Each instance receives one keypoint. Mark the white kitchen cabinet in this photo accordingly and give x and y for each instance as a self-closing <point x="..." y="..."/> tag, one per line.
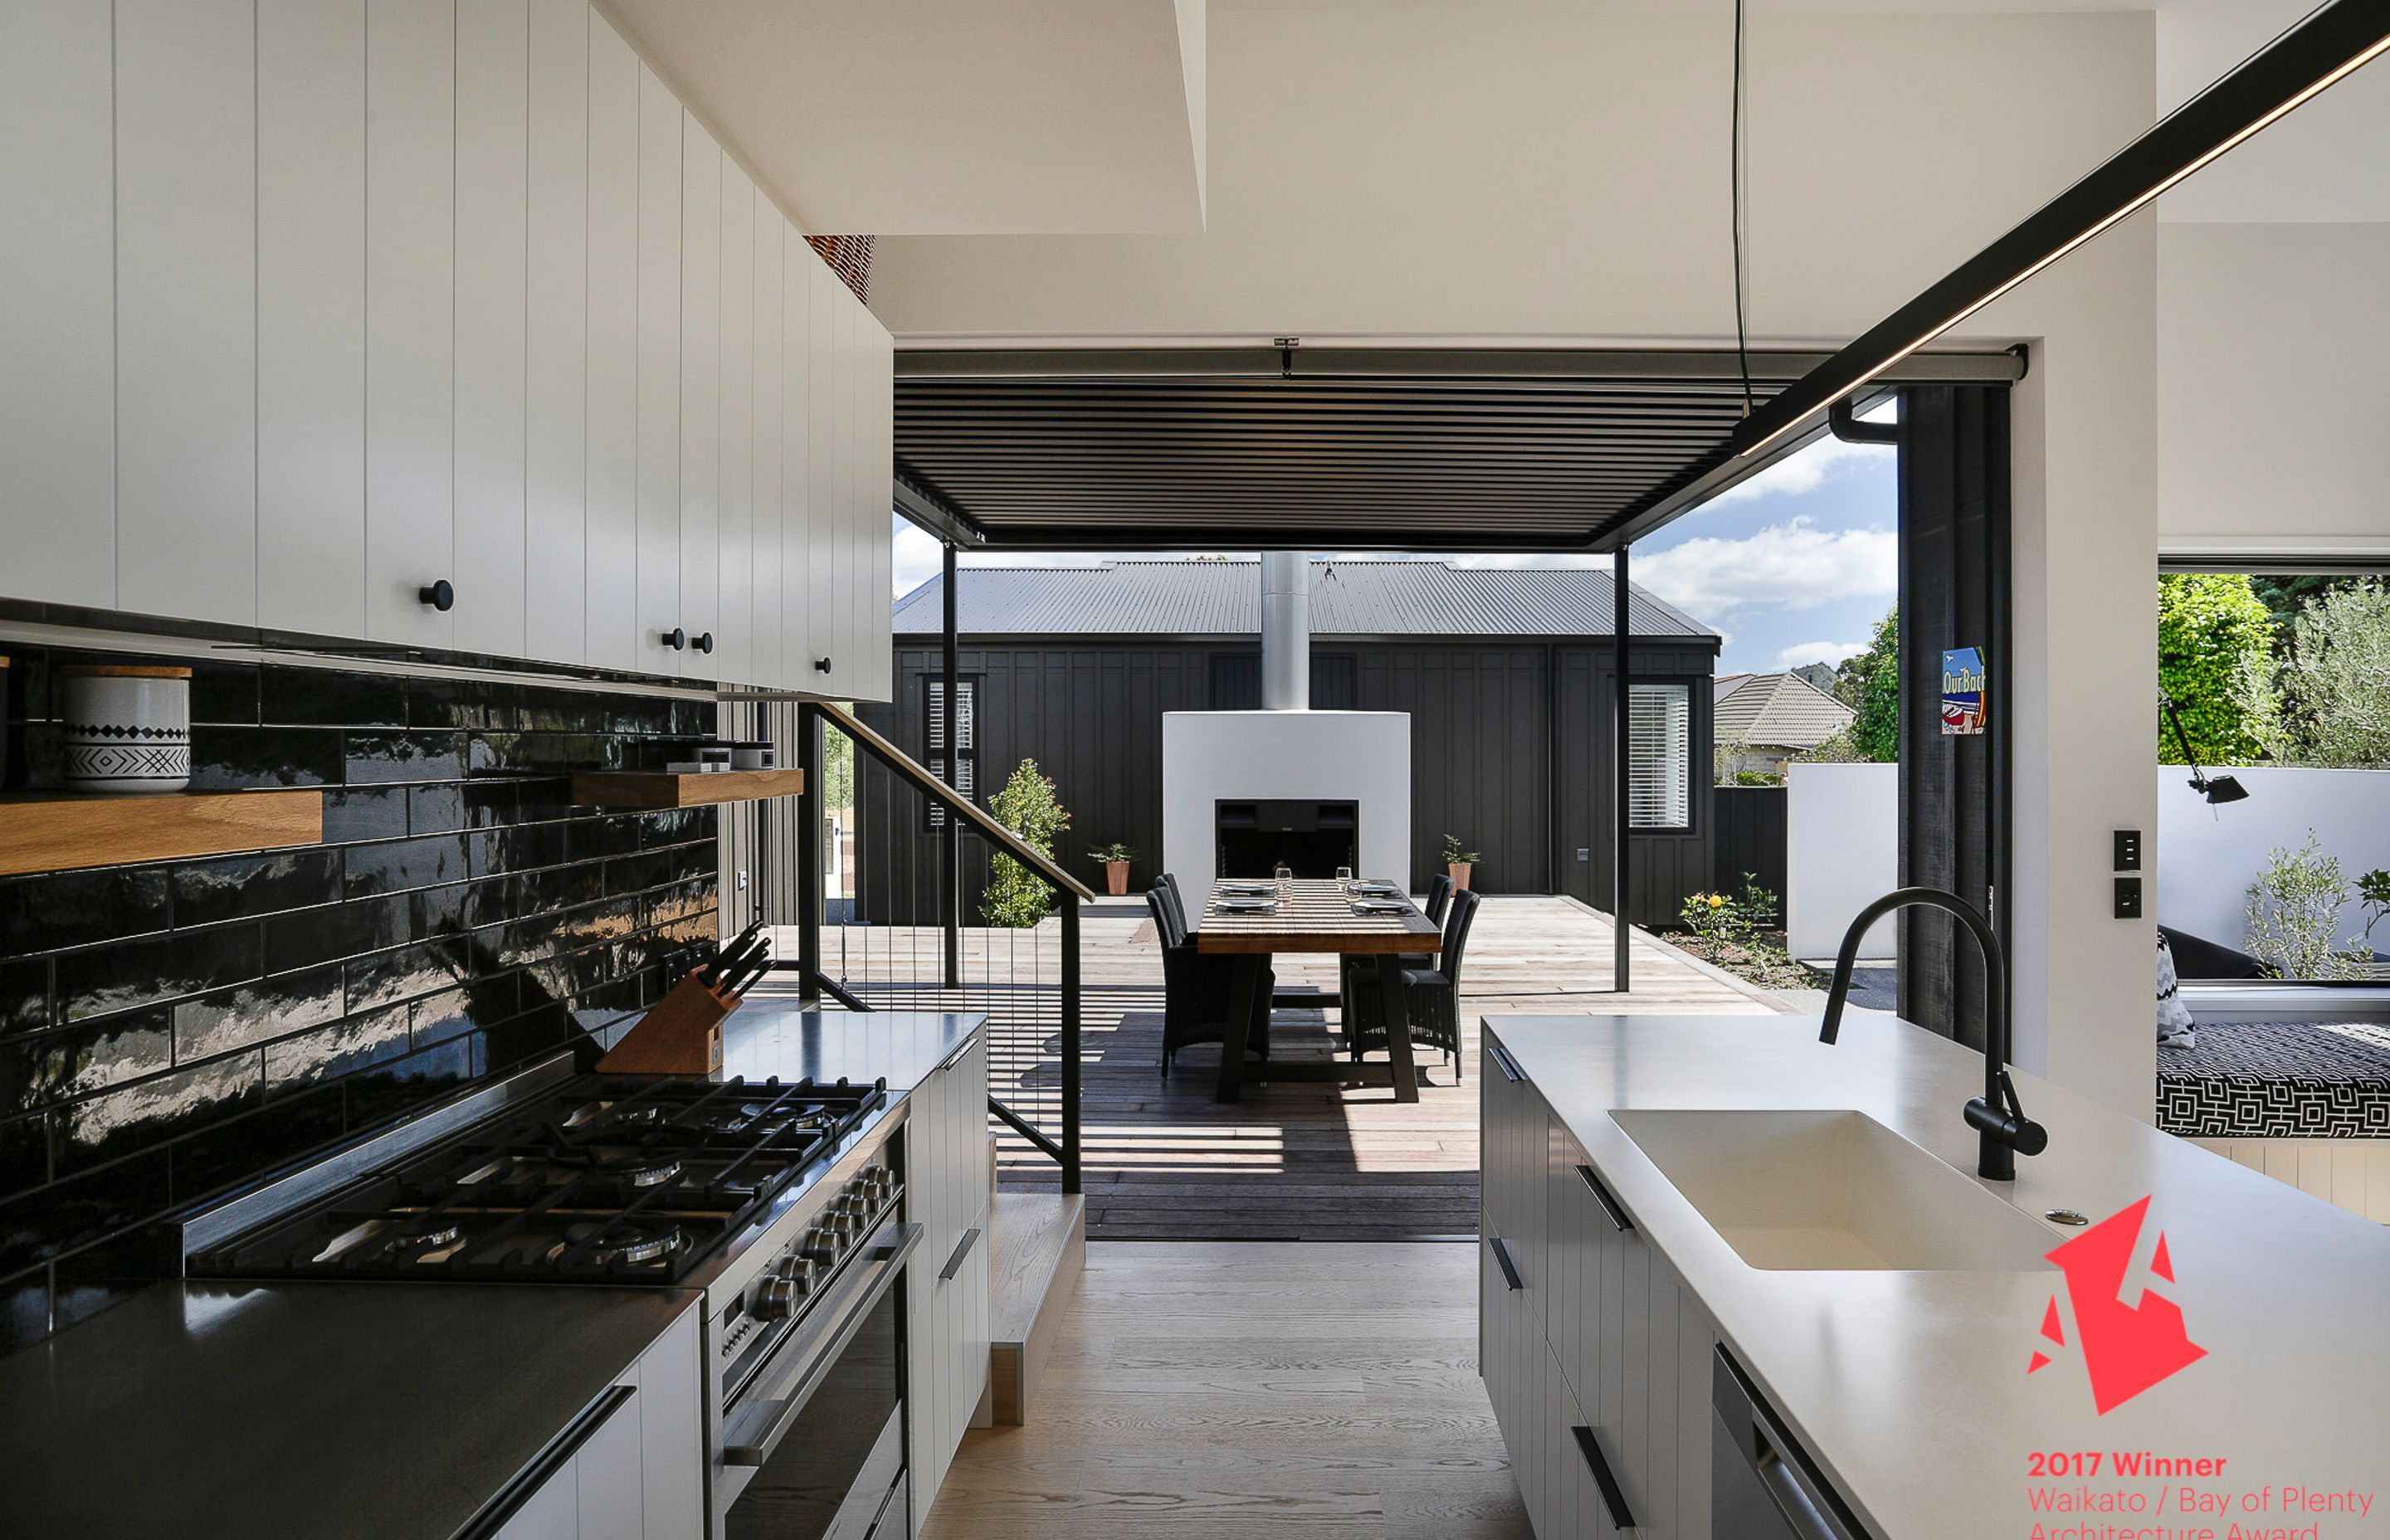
<point x="342" y="300"/>
<point x="638" y="1470"/>
<point x="311" y="332"/>
<point x="410" y="321"/>
<point x="185" y="309"/>
<point x="57" y="242"/>
<point x="1602" y="1336"/>
<point x="672" y="1452"/>
<point x="492" y="262"/>
<point x="734" y="608"/>
<point x="611" y="462"/>
<point x="557" y="260"/>
<point x="661" y="163"/>
<point x="699" y="564"/>
<point x="947" y="1179"/>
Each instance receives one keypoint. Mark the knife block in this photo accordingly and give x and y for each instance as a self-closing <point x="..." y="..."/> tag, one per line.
<point x="681" y="1035"/>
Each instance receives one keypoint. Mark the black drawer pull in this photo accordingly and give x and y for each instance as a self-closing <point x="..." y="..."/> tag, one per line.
<point x="1502" y="1062"/>
<point x="1509" y="1268"/>
<point x="1613" y="1497"/>
<point x="440" y="596"/>
<point x="1618" y="1220"/>
<point x="527" y="1483"/>
<point x="954" y="1263"/>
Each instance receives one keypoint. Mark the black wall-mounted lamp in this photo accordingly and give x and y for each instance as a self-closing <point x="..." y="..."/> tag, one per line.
<point x="2216" y="789"/>
<point x="2329" y="45"/>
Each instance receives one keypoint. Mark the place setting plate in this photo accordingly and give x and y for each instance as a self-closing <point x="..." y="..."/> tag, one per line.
<point x="1379" y="906"/>
<point x="1249" y="890"/>
<point x="1373" y="889"/>
<point x="1246" y="906"/>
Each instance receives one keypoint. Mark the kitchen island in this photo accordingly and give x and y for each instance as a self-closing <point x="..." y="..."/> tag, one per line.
<point x="1893" y="1340"/>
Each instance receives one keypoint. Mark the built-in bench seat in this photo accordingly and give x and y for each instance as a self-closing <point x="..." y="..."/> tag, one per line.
<point x="2285" y="1080"/>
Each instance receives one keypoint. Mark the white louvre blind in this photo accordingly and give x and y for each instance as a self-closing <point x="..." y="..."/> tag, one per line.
<point x="966" y="778"/>
<point x="1659" y="756"/>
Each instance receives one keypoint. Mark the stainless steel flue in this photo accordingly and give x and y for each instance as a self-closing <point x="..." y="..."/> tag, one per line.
<point x="1286" y="631"/>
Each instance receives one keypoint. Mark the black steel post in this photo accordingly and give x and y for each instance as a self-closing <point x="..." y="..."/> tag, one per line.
<point x="1070" y="903"/>
<point x="950" y="852"/>
<point x="809" y="853"/>
<point x="1620" y="772"/>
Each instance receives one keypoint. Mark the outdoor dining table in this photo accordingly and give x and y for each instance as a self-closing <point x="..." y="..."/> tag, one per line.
<point x="1314" y="915"/>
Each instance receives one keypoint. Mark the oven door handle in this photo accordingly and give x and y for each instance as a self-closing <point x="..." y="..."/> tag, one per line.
<point x="789" y="1404"/>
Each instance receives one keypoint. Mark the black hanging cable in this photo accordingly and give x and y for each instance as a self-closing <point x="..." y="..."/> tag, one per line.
<point x="1734" y="209"/>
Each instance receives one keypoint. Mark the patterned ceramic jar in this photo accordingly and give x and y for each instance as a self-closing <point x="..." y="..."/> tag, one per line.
<point x="128" y="727"/>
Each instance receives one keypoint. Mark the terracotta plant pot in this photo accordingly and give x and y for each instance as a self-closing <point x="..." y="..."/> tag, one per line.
<point x="1116" y="879"/>
<point x="1458" y="871"/>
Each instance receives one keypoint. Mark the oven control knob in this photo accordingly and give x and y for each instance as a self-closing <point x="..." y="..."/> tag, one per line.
<point x="820" y="1244"/>
<point x="842" y="1227"/>
<point x="777" y="1298"/>
<point x="801" y="1273"/>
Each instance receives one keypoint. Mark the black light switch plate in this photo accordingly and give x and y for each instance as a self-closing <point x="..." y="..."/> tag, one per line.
<point x="2128" y="898"/>
<point x="2128" y="851"/>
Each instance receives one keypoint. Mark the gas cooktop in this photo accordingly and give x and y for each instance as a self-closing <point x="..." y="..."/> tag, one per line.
<point x="601" y="1179"/>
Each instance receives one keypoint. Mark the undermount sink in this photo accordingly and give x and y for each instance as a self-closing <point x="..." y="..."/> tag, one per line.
<point x="1834" y="1191"/>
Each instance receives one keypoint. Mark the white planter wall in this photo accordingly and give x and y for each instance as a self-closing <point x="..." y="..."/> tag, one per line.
<point x="273" y="361"/>
<point x="1842" y="849"/>
<point x="2207" y="856"/>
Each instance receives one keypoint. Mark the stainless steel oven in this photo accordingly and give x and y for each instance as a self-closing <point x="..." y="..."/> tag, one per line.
<point x="813" y="1444"/>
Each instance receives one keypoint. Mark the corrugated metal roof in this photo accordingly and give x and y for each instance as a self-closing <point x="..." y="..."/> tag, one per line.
<point x="1348" y="598"/>
<point x="1782" y="711"/>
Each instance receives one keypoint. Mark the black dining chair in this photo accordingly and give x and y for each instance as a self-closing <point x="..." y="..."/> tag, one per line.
<point x="1282" y="996"/>
<point x="1439" y="899"/>
<point x="1198" y="989"/>
<point x="1430" y="995"/>
<point x="1364" y="1015"/>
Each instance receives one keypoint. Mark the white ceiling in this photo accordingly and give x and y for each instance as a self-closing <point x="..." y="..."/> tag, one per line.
<point x="2322" y="164"/>
<point x="948" y="117"/>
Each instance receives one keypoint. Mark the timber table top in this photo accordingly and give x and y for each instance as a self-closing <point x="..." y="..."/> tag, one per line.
<point x="1314" y="915"/>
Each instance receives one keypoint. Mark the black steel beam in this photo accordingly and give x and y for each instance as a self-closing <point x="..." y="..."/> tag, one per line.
<point x="1622" y="771"/>
<point x="950" y="854"/>
<point x="1492" y="367"/>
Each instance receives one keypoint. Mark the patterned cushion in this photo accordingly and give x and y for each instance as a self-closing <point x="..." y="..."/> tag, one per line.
<point x="2279" y="1079"/>
<point x="2174" y="1017"/>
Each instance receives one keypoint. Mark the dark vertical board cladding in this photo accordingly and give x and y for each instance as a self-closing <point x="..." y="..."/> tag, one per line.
<point x="175" y="1030"/>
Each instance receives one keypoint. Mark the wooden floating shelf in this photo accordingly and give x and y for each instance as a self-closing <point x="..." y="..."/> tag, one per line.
<point x="651" y="789"/>
<point x="50" y="831"/>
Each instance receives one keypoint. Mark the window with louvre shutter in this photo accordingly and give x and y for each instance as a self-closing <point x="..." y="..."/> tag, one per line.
<point x="1659" y="756"/>
<point x="965" y="777"/>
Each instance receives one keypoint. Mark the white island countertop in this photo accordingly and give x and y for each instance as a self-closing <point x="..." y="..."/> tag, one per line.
<point x="1910" y="1388"/>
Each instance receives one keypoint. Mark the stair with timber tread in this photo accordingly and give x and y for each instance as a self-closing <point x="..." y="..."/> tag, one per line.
<point x="1037" y="1247"/>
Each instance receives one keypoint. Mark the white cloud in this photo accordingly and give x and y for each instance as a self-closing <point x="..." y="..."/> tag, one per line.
<point x="1803" y="653"/>
<point x="1793" y="565"/>
<point x="1804" y="472"/>
<point x="917" y="558"/>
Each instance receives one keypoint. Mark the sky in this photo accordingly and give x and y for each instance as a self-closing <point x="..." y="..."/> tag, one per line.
<point x="1793" y="566"/>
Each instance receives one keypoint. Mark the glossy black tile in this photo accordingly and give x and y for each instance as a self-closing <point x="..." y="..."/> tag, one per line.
<point x="436" y="809"/>
<point x="526" y="848"/>
<point x="483" y="1004"/>
<point x="594" y="839"/>
<point x="562" y="887"/>
<point x="249" y="1013"/>
<point x="223" y="694"/>
<point x="312" y="1057"/>
<point x="24" y="1152"/>
<point x="228" y="1151"/>
<point x="84" y="1207"/>
<point x="24" y="1309"/>
<point x="546" y="797"/>
<point x="558" y="710"/>
<point x="102" y="981"/>
<point x="385" y="757"/>
<point x="230" y="759"/>
<point x="331" y="698"/>
<point x="396" y="866"/>
<point x="387" y="978"/>
<point x="248" y="887"/>
<point x="385" y="1091"/>
<point x="42" y="914"/>
<point x="47" y="1068"/>
<point x="493" y="802"/>
<point x="24" y="995"/>
<point x="677" y="826"/>
<point x="472" y="703"/>
<point x="372" y="813"/>
<point x="312" y="936"/>
<point x="135" y="1118"/>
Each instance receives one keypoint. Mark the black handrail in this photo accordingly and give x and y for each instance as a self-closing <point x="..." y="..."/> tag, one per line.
<point x="811" y="716"/>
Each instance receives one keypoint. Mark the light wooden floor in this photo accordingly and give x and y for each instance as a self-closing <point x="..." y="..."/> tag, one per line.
<point x="1226" y="1391"/>
<point x="1291" y="1161"/>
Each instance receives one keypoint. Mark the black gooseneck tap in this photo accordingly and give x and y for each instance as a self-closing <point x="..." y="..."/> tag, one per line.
<point x="2007" y="1132"/>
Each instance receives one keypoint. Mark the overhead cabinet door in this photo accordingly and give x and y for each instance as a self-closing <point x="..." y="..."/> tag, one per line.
<point x="761" y="581"/>
<point x="610" y="459"/>
<point x="659" y="383"/>
<point x="556" y="350"/>
<point x="700" y="404"/>
<point x="493" y="68"/>
<point x="734" y="627"/>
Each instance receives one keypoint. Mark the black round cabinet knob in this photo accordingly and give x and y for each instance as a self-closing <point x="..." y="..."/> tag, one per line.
<point x="440" y="596"/>
<point x="675" y="638"/>
<point x="705" y="641"/>
<point x="821" y="665"/>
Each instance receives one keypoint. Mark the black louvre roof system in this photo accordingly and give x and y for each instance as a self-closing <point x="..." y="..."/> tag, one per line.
<point x="1411" y="449"/>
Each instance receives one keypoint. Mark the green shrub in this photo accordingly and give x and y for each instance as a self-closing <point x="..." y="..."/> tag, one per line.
<point x="2327" y="701"/>
<point x="1869" y="684"/>
<point x="1017" y="898"/>
<point x="2209" y="625"/>
<point x="2294" y="916"/>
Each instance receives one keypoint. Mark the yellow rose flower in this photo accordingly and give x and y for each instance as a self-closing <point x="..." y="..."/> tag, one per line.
<point x="1717" y="901"/>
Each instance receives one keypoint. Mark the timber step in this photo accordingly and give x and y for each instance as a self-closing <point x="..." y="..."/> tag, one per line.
<point x="1037" y="1247"/>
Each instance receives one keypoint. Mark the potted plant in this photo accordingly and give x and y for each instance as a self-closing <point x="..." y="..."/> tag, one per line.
<point x="1458" y="861"/>
<point x="1115" y="857"/>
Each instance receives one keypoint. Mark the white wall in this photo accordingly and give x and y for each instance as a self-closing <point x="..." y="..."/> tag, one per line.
<point x="2273" y="380"/>
<point x="1356" y="756"/>
<point x="1842" y="850"/>
<point x="2206" y="857"/>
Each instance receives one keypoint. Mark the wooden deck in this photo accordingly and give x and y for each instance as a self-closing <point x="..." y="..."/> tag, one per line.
<point x="1290" y="1162"/>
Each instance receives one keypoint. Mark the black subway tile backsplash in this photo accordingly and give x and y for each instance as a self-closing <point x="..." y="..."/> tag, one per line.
<point x="172" y="1030"/>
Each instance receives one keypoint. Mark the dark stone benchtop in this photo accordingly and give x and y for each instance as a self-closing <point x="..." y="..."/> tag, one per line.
<point x="340" y="1409"/>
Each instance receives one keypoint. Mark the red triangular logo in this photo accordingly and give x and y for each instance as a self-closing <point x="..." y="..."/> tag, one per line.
<point x="2040" y="1360"/>
<point x="2161" y="1263"/>
<point x="2050" y="1326"/>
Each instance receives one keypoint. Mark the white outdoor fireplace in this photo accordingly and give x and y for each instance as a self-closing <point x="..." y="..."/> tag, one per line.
<point x="1244" y="787"/>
